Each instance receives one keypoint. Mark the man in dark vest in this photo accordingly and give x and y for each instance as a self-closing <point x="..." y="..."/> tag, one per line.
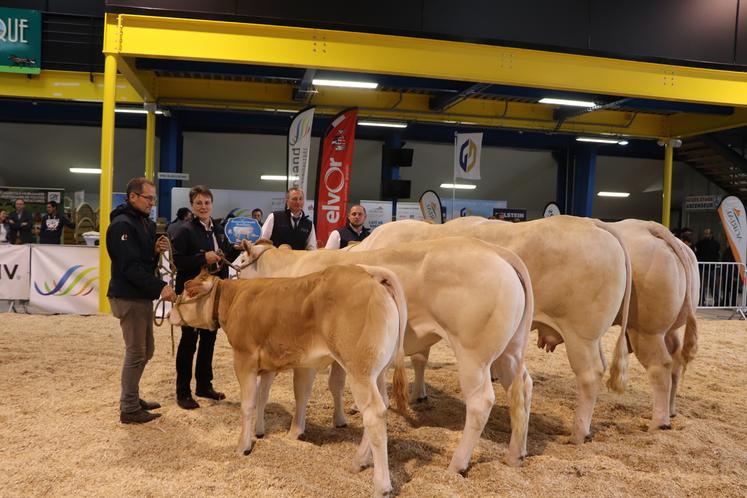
<point x="353" y="231"/>
<point x="291" y="226"/>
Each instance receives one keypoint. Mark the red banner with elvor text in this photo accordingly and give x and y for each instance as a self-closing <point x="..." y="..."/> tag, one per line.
<point x="333" y="175"/>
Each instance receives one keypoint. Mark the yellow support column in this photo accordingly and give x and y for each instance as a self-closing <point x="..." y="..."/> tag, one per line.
<point x="150" y="140"/>
<point x="107" y="175"/>
<point x="667" y="182"/>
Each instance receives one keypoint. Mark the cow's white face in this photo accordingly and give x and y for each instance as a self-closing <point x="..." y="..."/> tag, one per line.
<point x="250" y="256"/>
<point x="195" y="307"/>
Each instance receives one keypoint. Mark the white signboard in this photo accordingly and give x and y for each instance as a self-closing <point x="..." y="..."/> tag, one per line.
<point x="14" y="271"/>
<point x="377" y="213"/>
<point x="702" y="202"/>
<point x="65" y="279"/>
<point x="166" y="175"/>
<point x="409" y="211"/>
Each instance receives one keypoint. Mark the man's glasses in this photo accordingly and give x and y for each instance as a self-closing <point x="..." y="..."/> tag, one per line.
<point x="150" y="198"/>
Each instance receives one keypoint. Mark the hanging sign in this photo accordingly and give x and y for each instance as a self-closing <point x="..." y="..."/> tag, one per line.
<point x="20" y="41"/>
<point x="238" y="229"/>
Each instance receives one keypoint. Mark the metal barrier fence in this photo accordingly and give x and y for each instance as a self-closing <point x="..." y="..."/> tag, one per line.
<point x="721" y="287"/>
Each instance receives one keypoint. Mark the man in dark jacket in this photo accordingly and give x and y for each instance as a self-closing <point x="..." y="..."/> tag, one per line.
<point x="20" y="224"/>
<point x="353" y="231"/>
<point x="291" y="226"/>
<point x="51" y="225"/>
<point x="131" y="243"/>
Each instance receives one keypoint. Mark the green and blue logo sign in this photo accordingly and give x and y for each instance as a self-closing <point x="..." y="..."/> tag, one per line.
<point x="75" y="281"/>
<point x="20" y="41"/>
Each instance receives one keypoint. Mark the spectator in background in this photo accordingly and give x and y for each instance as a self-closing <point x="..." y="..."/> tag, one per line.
<point x="52" y="224"/>
<point x="3" y="226"/>
<point x="707" y="248"/>
<point x="292" y="226"/>
<point x="20" y="224"/>
<point x="353" y="231"/>
<point x="257" y="215"/>
<point x="183" y="215"/>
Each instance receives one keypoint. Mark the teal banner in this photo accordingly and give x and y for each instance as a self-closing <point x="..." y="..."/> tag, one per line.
<point x="20" y="41"/>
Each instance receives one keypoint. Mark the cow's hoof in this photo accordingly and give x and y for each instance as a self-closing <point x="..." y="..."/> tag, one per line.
<point x="247" y="452"/>
<point x="665" y="427"/>
<point x="421" y="399"/>
<point x="672" y="415"/>
<point x="260" y="436"/>
<point x="340" y="426"/>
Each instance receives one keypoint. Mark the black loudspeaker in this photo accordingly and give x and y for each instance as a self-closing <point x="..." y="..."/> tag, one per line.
<point x="398" y="158"/>
<point x="395" y="189"/>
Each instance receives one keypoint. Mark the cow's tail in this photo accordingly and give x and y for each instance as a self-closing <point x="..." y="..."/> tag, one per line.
<point x="619" y="368"/>
<point x="391" y="283"/>
<point x="690" y="342"/>
<point x="520" y="391"/>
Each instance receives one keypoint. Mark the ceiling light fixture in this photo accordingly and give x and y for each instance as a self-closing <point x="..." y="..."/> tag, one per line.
<point x="614" y="194"/>
<point x="134" y="110"/>
<point x="568" y="102"/>
<point x="463" y="186"/>
<point x="370" y="85"/>
<point x="276" y="178"/>
<point x="602" y="140"/>
<point x="383" y="124"/>
<point x="90" y="171"/>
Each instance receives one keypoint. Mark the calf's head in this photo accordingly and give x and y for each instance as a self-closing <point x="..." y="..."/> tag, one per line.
<point x="197" y="306"/>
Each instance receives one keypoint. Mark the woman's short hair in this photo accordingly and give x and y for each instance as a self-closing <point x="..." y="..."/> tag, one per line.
<point x="200" y="190"/>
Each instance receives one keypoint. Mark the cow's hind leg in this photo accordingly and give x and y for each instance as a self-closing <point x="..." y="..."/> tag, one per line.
<point x="652" y="352"/>
<point x="303" y="381"/>
<point x="374" y="442"/>
<point x="419" y="361"/>
<point x="265" y="383"/>
<point x="247" y="378"/>
<point x="518" y="385"/>
<point x="479" y="397"/>
<point x="336" y="383"/>
<point x="588" y="366"/>
<point x="674" y="346"/>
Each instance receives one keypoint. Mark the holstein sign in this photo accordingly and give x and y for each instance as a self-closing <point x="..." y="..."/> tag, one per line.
<point x="333" y="175"/>
<point x="20" y="41"/>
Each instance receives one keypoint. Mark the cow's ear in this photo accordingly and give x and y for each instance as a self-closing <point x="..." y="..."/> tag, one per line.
<point x="285" y="247"/>
<point x="204" y="273"/>
<point x="264" y="242"/>
<point x="246" y="245"/>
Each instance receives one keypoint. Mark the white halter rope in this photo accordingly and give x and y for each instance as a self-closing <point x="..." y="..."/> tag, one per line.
<point x="162" y="271"/>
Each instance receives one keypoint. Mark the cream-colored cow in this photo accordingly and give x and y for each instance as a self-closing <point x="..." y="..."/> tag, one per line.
<point x="665" y="279"/>
<point x="581" y="279"/>
<point x="267" y="334"/>
<point x="459" y="289"/>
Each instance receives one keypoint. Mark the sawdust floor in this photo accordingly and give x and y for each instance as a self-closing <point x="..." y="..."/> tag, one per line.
<point x="60" y="434"/>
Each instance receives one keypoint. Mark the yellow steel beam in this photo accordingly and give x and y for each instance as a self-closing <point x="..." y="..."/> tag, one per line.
<point x="687" y="125"/>
<point x="404" y="106"/>
<point x="64" y="85"/>
<point x="144" y="83"/>
<point x="244" y="43"/>
<point x="107" y="175"/>
<point x="150" y="141"/>
<point x="667" y="183"/>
